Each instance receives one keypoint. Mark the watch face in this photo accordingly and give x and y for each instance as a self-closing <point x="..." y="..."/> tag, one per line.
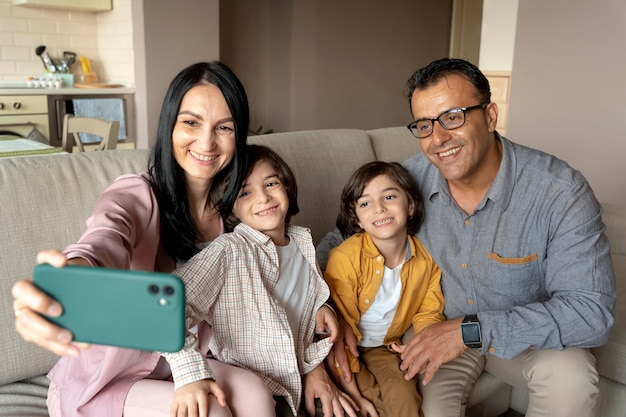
<point x="471" y="333"/>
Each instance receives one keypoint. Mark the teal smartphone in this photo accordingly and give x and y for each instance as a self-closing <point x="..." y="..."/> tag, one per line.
<point x="117" y="307"/>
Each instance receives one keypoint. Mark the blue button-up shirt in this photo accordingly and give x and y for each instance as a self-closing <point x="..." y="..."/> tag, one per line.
<point x="532" y="260"/>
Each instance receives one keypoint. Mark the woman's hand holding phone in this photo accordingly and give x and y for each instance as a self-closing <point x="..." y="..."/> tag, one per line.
<point x="29" y="303"/>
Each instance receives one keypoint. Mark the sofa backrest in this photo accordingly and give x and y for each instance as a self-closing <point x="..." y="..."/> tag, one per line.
<point x="394" y="144"/>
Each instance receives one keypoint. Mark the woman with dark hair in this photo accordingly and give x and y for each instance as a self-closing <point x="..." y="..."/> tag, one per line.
<point x="152" y="221"/>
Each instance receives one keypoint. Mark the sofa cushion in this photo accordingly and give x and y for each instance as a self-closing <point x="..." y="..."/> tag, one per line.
<point x="36" y="191"/>
<point x="25" y="398"/>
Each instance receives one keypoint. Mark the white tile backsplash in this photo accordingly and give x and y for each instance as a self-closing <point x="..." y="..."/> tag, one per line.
<point x="7" y="67"/>
<point x="104" y="37"/>
<point x="13" y="25"/>
<point x="11" y="53"/>
<point x="26" y="39"/>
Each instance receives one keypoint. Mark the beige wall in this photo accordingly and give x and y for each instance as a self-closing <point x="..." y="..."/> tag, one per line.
<point x="331" y="64"/>
<point x="568" y="96"/>
<point x="497" y="38"/>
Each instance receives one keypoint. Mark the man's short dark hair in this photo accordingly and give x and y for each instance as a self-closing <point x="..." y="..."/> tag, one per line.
<point x="436" y="70"/>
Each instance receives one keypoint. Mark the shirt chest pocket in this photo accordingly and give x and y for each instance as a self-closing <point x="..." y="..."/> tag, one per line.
<point x="517" y="279"/>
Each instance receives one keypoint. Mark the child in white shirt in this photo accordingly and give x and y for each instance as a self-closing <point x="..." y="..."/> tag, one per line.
<point x="261" y="290"/>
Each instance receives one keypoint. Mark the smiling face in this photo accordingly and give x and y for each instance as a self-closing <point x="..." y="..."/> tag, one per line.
<point x="383" y="210"/>
<point x="263" y="203"/>
<point x="203" y="138"/>
<point x="469" y="153"/>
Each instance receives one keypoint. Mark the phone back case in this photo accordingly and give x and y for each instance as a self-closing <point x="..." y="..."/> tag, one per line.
<point x="132" y="309"/>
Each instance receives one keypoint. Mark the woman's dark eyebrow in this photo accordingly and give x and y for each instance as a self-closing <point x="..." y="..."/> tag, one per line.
<point x="189" y="113"/>
<point x="196" y="115"/>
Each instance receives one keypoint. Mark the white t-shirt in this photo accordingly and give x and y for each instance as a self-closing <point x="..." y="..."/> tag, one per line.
<point x="293" y="284"/>
<point x="378" y="317"/>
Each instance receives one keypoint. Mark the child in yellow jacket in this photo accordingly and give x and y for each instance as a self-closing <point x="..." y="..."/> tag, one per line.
<point x="383" y="280"/>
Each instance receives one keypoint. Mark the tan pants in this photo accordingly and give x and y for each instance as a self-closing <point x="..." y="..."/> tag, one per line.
<point x="382" y="382"/>
<point x="561" y="383"/>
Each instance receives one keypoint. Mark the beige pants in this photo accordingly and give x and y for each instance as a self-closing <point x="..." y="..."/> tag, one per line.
<point x="561" y="383"/>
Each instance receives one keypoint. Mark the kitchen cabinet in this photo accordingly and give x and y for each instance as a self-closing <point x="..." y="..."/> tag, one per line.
<point x="83" y="5"/>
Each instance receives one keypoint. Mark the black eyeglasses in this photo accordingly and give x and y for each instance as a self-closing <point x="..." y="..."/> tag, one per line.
<point x="451" y="119"/>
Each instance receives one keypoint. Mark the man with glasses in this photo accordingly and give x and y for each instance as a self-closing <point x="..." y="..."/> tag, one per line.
<point x="526" y="272"/>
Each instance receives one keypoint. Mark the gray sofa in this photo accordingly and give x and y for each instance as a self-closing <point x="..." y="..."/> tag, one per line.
<point x="45" y="200"/>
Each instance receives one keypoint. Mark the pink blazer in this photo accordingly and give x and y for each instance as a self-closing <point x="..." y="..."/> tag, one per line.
<point x="122" y="232"/>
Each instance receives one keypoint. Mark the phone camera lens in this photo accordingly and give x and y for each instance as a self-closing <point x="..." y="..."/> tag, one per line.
<point x="153" y="289"/>
<point x="168" y="290"/>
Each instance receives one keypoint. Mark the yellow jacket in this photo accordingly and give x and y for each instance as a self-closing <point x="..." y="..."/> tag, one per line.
<point x="354" y="273"/>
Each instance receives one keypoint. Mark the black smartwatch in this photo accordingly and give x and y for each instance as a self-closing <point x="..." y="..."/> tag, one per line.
<point x="470" y="330"/>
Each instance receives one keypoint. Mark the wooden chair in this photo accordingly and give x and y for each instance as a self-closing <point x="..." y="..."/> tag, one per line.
<point x="72" y="126"/>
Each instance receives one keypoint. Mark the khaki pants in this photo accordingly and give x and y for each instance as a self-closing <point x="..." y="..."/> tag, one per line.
<point x="382" y="382"/>
<point x="561" y="383"/>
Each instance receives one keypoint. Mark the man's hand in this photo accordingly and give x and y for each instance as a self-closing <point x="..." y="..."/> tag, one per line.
<point x="194" y="399"/>
<point x="317" y="384"/>
<point x="337" y="358"/>
<point x="429" y="349"/>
